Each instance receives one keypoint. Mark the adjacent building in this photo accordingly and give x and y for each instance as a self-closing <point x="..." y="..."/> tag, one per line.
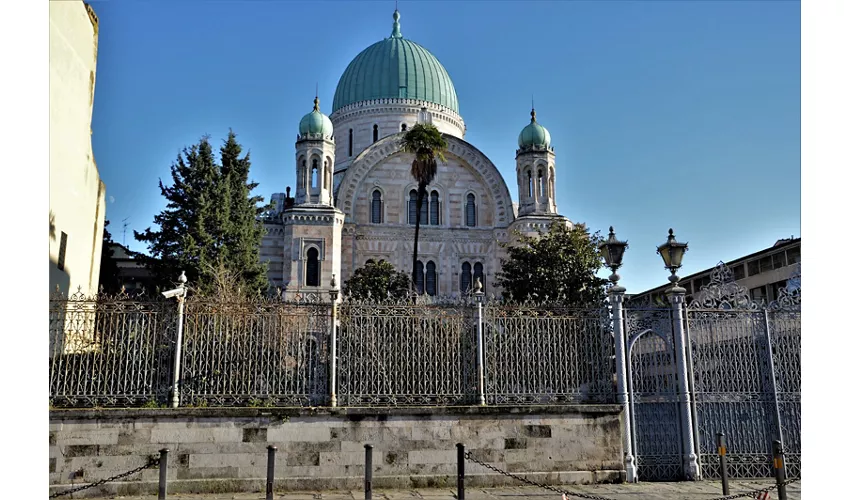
<point x="355" y="199"/>
<point x="763" y="273"/>
<point x="77" y="195"/>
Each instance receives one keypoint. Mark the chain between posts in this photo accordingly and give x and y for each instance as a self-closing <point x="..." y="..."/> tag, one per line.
<point x="151" y="463"/>
<point x="753" y="493"/>
<point x="747" y="494"/>
<point x="534" y="483"/>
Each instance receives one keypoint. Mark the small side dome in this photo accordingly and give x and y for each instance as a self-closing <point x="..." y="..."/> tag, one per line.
<point x="315" y="124"/>
<point x="534" y="134"/>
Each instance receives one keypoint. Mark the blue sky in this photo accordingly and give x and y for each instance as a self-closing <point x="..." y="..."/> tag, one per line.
<point x="662" y="114"/>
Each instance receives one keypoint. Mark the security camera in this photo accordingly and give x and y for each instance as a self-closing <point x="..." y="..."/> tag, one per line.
<point x="174" y="293"/>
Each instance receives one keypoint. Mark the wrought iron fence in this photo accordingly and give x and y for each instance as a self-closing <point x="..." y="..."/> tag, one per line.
<point x="260" y="352"/>
<point x="547" y="355"/>
<point x="109" y="351"/>
<point x="406" y="353"/>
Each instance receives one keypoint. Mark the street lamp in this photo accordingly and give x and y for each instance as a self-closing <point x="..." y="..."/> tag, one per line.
<point x="612" y="251"/>
<point x="479" y="300"/>
<point x="672" y="253"/>
<point x="334" y="291"/>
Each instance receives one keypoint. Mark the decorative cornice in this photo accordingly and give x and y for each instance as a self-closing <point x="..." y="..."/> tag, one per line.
<point x="396" y="105"/>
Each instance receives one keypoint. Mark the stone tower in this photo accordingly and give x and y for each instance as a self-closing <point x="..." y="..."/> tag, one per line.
<point x="312" y="225"/>
<point x="535" y="171"/>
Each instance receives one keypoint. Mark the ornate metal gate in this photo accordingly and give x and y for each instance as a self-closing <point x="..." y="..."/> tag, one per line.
<point x="745" y="360"/>
<point x="656" y="428"/>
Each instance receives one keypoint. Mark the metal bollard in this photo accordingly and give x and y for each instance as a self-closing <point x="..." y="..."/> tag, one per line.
<point x="270" y="473"/>
<point x="779" y="469"/>
<point x="163" y="473"/>
<point x="461" y="471"/>
<point x="367" y="487"/>
<point x="721" y="450"/>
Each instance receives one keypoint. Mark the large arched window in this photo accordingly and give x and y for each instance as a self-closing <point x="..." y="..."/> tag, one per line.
<point x="551" y="182"/>
<point x="375" y="133"/>
<point x="419" y="277"/>
<point x="377" y="208"/>
<point x="435" y="208"/>
<point x="312" y="267"/>
<point x="350" y="142"/>
<point x="314" y="174"/>
<point x="465" y="278"/>
<point x="411" y="207"/>
<point x="541" y="182"/>
<point x="470" y="210"/>
<point x="478" y="274"/>
<point x="431" y="278"/>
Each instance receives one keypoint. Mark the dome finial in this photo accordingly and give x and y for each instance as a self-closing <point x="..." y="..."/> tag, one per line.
<point x="316" y="103"/>
<point x="533" y="115"/>
<point x="396" y="24"/>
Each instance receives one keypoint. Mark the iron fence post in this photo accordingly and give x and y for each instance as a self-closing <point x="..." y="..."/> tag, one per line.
<point x="616" y="294"/>
<point x="676" y="296"/>
<point x="163" y="473"/>
<point x="721" y="450"/>
<point x="779" y="469"/>
<point x="769" y="353"/>
<point x="461" y="472"/>
<point x="270" y="473"/>
<point x="367" y="486"/>
<point x="334" y="294"/>
<point x="180" y="295"/>
<point x="480" y="355"/>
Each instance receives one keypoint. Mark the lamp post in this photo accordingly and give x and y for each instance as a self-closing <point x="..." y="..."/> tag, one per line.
<point x="612" y="251"/>
<point x="479" y="299"/>
<point x="334" y="295"/>
<point x="672" y="252"/>
<point x="180" y="294"/>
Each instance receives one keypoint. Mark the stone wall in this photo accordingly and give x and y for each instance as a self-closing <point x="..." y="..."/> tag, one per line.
<point x="223" y="450"/>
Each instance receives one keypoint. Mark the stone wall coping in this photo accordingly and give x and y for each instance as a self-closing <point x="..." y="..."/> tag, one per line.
<point x="353" y="413"/>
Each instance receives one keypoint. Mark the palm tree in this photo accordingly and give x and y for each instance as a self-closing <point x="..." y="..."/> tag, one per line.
<point x="427" y="144"/>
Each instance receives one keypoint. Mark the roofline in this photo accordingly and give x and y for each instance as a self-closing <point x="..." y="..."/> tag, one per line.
<point x="779" y="244"/>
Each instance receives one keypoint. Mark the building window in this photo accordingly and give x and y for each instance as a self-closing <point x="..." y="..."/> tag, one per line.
<point x="541" y="182"/>
<point x="314" y="174"/>
<point x="793" y="255"/>
<point x="465" y="277"/>
<point x="779" y="260"/>
<point x="738" y="272"/>
<point x="328" y="175"/>
<point x="403" y="127"/>
<point x="411" y="207"/>
<point x="312" y="267"/>
<point x="350" y="142"/>
<point x="478" y="274"/>
<point x="431" y="278"/>
<point x="377" y="206"/>
<point x="419" y="277"/>
<point x="759" y="294"/>
<point x="63" y="247"/>
<point x="375" y="133"/>
<point x="470" y="210"/>
<point x="753" y="268"/>
<point x="529" y="181"/>
<point x="435" y="208"/>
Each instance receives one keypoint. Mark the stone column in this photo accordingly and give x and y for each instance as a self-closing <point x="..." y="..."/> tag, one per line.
<point x="676" y="296"/>
<point x="616" y="295"/>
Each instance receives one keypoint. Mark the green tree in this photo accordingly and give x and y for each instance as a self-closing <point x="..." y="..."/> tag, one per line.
<point x="245" y="229"/>
<point x="559" y="265"/>
<point x="205" y="228"/>
<point x="109" y="280"/>
<point x="427" y="144"/>
<point x="377" y="280"/>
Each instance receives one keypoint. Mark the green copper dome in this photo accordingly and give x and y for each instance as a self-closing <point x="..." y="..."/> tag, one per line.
<point x="315" y="123"/>
<point x="534" y="134"/>
<point x="395" y="68"/>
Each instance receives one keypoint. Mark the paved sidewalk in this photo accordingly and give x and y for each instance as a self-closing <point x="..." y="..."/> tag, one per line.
<point x="701" y="490"/>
